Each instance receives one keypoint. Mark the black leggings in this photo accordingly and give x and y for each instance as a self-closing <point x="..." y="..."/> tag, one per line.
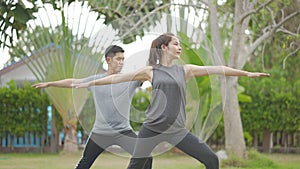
<point x="98" y="143"/>
<point x="184" y="140"/>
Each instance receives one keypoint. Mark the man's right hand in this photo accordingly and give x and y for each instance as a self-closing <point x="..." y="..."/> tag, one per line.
<point x="40" y="85"/>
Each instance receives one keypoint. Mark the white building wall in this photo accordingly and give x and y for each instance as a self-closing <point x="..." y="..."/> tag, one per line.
<point x="17" y="73"/>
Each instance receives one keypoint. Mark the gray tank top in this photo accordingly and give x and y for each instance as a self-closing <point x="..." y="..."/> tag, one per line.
<point x="166" y="113"/>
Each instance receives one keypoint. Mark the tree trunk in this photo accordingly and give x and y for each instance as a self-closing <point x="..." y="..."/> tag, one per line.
<point x="294" y="139"/>
<point x="289" y="139"/>
<point x="54" y="135"/>
<point x="255" y="139"/>
<point x="278" y="138"/>
<point x="298" y="143"/>
<point x="234" y="137"/>
<point x="12" y="145"/>
<point x="284" y="141"/>
<point x="234" y="142"/>
<point x="42" y="138"/>
<point x="267" y="141"/>
<point x="70" y="144"/>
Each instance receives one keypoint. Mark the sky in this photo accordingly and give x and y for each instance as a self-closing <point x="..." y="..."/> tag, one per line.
<point x="4" y="57"/>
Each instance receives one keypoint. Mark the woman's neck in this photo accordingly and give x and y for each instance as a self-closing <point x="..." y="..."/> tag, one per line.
<point x="166" y="62"/>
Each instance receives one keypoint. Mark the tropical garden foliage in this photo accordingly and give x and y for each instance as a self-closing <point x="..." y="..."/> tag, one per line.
<point x="23" y="110"/>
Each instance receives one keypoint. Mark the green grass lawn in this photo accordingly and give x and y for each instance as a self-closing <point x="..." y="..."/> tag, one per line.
<point x="166" y="161"/>
<point x="264" y="161"/>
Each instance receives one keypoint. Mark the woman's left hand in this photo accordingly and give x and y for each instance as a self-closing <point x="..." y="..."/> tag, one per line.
<point x="257" y="74"/>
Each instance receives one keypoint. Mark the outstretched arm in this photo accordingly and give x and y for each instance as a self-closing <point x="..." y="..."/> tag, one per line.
<point x="65" y="83"/>
<point x="194" y="70"/>
<point x="143" y="74"/>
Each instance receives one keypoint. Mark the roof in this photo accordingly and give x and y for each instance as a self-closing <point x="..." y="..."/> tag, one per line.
<point x="36" y="54"/>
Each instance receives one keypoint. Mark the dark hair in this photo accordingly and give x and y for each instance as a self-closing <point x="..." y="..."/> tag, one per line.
<point x="112" y="50"/>
<point x="155" y="51"/>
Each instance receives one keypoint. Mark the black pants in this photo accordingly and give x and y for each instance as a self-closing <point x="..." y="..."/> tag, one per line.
<point x="96" y="144"/>
<point x="184" y="140"/>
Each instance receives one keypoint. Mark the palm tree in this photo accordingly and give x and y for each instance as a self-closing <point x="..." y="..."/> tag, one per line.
<point x="51" y="47"/>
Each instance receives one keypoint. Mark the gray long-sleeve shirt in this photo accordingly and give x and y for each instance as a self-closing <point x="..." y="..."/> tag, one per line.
<point x="112" y="104"/>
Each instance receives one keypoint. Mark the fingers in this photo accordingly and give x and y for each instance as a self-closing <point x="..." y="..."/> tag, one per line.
<point x="36" y="85"/>
<point x="263" y="74"/>
<point x="257" y="74"/>
<point x="266" y="74"/>
<point x="39" y="85"/>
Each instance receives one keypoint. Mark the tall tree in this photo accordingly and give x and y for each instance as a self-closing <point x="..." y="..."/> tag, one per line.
<point x="275" y="97"/>
<point x="50" y="46"/>
<point x="14" y="16"/>
<point x="242" y="46"/>
<point x="128" y="16"/>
